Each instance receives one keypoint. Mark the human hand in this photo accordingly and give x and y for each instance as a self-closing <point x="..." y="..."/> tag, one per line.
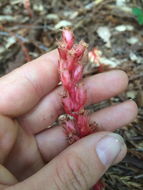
<point x="30" y="102"/>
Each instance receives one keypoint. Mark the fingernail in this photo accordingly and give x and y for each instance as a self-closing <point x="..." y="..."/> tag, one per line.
<point x="108" y="148"/>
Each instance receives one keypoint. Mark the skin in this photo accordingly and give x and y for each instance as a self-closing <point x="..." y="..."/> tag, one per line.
<point x="30" y="102"/>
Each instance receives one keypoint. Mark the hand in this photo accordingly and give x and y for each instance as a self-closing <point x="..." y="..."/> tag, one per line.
<point x="31" y="101"/>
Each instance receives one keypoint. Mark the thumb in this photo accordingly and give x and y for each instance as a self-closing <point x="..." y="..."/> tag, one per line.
<point x="80" y="166"/>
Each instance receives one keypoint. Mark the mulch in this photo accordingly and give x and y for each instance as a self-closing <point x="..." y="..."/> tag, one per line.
<point x="27" y="32"/>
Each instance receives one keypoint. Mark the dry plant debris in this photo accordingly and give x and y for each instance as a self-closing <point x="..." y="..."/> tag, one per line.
<point x="108" y="25"/>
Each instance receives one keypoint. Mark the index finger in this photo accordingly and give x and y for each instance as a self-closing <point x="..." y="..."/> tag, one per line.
<point x="22" y="89"/>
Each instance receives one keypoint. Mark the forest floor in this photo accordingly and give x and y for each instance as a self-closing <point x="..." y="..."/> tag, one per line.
<point x="111" y="26"/>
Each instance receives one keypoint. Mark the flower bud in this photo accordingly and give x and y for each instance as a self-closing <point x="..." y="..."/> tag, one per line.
<point x="66" y="79"/>
<point x="68" y="37"/>
<point x="83" y="124"/>
<point x="62" y="53"/>
<point x="77" y="74"/>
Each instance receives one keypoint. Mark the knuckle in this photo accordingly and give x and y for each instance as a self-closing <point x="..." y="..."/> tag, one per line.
<point x="74" y="174"/>
<point x="78" y="170"/>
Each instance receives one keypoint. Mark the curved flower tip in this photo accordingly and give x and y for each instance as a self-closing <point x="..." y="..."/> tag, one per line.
<point x="68" y="37"/>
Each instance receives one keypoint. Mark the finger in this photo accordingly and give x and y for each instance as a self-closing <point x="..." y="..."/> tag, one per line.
<point x="24" y="159"/>
<point x="8" y="133"/>
<point x="98" y="87"/>
<point x="24" y="87"/>
<point x="114" y="117"/>
<point x="74" y="168"/>
<point x="6" y="178"/>
<point x="108" y="119"/>
<point x="18" y="150"/>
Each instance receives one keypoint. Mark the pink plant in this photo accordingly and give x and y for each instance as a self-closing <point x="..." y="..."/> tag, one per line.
<point x="71" y="71"/>
<point x="94" y="57"/>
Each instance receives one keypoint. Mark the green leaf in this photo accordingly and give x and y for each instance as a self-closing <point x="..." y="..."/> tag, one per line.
<point x="139" y="14"/>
